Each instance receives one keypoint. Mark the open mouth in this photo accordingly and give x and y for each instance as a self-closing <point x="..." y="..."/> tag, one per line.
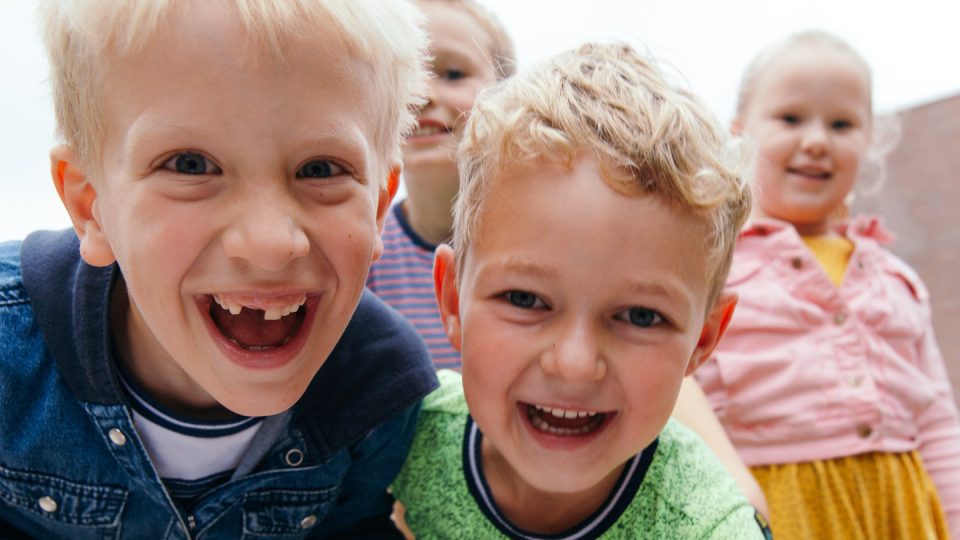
<point x="565" y="422"/>
<point x="255" y="325"/>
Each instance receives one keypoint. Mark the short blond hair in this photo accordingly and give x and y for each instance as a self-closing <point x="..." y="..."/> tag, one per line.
<point x="609" y="102"/>
<point x="503" y="56"/>
<point x="80" y="36"/>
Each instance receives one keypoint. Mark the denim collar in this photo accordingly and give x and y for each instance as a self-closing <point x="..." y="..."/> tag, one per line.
<point x="377" y="369"/>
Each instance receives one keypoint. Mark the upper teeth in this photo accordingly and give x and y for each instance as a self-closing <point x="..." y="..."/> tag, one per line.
<point x="269" y="314"/>
<point x="428" y="130"/>
<point x="565" y="413"/>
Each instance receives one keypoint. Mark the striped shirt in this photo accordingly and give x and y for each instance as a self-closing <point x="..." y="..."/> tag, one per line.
<point x="191" y="456"/>
<point x="403" y="278"/>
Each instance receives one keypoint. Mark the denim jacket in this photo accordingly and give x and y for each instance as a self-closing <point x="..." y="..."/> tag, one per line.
<point x="72" y="464"/>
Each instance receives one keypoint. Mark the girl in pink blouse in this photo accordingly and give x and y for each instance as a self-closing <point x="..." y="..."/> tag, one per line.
<point x="829" y="380"/>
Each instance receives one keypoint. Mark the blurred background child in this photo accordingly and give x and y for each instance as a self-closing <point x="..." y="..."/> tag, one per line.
<point x="470" y="50"/>
<point x="829" y="380"/>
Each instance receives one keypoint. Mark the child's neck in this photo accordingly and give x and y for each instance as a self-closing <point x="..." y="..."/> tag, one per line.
<point x="538" y="511"/>
<point x="814" y="229"/>
<point x="429" y="216"/>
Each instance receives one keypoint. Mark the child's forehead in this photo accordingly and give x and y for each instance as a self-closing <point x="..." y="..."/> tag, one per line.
<point x="627" y="188"/>
<point x="452" y="21"/>
<point x="799" y="61"/>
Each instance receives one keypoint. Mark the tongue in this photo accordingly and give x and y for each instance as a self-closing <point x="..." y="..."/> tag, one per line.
<point x="249" y="329"/>
<point x="571" y="423"/>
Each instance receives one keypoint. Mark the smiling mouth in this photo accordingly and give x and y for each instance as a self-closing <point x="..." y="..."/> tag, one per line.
<point x="565" y="422"/>
<point x="258" y="328"/>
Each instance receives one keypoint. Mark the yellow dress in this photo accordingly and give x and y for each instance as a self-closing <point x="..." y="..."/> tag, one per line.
<point x="864" y="497"/>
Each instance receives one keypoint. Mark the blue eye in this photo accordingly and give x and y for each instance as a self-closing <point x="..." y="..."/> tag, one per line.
<point x="319" y="168"/>
<point x="522" y="299"/>
<point x="191" y="163"/>
<point x="642" y="317"/>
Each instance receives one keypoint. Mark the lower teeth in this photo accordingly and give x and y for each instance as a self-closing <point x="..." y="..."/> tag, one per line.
<point x="261" y="348"/>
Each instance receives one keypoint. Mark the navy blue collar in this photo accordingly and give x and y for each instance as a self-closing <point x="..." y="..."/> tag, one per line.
<point x="595" y="525"/>
<point x="378" y="368"/>
<point x="401" y="215"/>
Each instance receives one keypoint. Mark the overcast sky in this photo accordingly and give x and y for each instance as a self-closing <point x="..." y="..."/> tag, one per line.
<point x="912" y="46"/>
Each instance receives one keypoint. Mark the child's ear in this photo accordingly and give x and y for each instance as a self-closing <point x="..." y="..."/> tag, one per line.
<point x="448" y="297"/>
<point x="384" y="198"/>
<point x="80" y="199"/>
<point x="713" y="328"/>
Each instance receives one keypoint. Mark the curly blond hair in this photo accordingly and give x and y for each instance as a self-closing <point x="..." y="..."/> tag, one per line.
<point x="610" y="102"/>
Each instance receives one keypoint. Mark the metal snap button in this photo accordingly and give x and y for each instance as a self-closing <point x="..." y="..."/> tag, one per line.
<point x="854" y="381"/>
<point x="308" y="521"/>
<point x="294" y="457"/>
<point x="117" y="437"/>
<point x="839" y="318"/>
<point x="864" y="431"/>
<point x="796" y="262"/>
<point x="47" y="504"/>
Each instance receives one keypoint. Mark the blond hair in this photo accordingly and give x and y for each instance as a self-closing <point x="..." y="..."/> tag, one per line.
<point x="81" y="36"/>
<point x="502" y="54"/>
<point x="806" y="39"/>
<point x="608" y="101"/>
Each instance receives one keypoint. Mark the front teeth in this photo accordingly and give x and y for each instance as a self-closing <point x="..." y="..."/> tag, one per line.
<point x="269" y="314"/>
<point x="275" y="314"/>
<point x="428" y="130"/>
<point x="233" y="308"/>
<point x="565" y="413"/>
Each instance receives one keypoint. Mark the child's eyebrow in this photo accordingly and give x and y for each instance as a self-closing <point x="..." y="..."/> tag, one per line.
<point x="458" y="53"/>
<point x="514" y="266"/>
<point x="671" y="290"/>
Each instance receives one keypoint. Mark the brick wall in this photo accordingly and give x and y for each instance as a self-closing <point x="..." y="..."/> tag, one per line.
<point x="920" y="202"/>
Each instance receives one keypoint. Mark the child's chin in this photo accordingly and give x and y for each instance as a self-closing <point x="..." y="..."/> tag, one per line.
<point x="261" y="401"/>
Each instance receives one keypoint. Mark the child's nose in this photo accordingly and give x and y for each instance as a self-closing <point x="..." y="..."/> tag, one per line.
<point x="265" y="235"/>
<point x="432" y="92"/>
<point x="815" y="138"/>
<point x="575" y="355"/>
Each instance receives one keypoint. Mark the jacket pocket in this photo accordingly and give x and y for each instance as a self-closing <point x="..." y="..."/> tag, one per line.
<point x="62" y="508"/>
<point x="899" y="314"/>
<point x="778" y="387"/>
<point x="285" y="513"/>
